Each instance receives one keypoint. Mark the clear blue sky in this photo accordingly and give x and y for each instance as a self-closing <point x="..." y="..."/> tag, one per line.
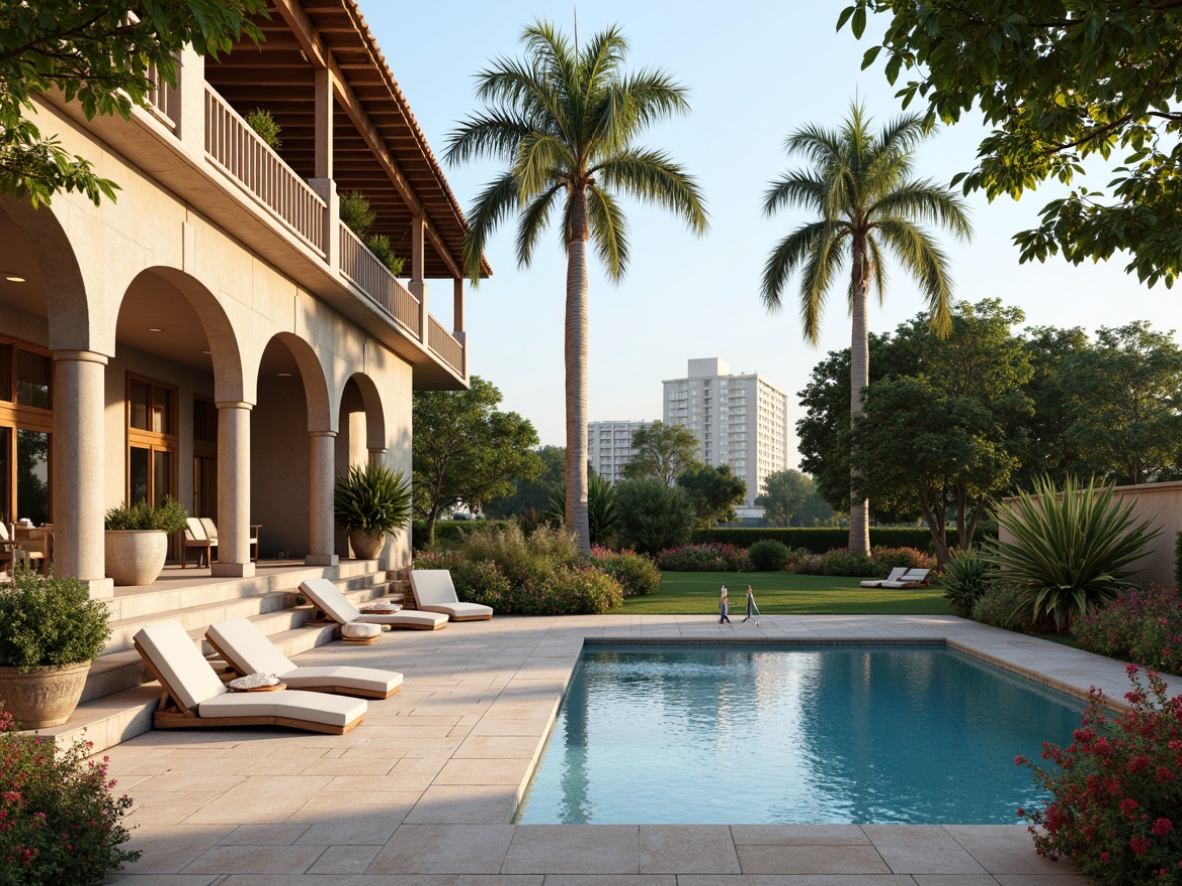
<point x="755" y="72"/>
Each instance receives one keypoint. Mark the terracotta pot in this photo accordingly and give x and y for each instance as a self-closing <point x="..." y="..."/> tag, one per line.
<point x="44" y="696"/>
<point x="366" y="546"/>
<point x="135" y="556"/>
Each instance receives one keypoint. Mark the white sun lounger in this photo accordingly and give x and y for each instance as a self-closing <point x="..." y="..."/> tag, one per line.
<point x="336" y="606"/>
<point x="435" y="592"/>
<point x="895" y="575"/>
<point x="194" y="697"/>
<point x="914" y="578"/>
<point x="248" y="651"/>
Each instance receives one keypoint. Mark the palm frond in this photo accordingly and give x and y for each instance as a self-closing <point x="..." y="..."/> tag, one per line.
<point x="608" y="231"/>
<point x="791" y="253"/>
<point x="819" y="271"/>
<point x="820" y="146"/>
<point x="880" y="275"/>
<point x="532" y="222"/>
<point x="796" y="187"/>
<point x="653" y="177"/>
<point x="542" y="160"/>
<point x="495" y="133"/>
<point x="496" y="201"/>
<point x="920" y="254"/>
<point x="926" y="201"/>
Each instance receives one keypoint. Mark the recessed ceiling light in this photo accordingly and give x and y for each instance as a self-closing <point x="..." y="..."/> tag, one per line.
<point x="155" y="329"/>
<point x="205" y="352"/>
<point x="14" y="278"/>
<point x="284" y="374"/>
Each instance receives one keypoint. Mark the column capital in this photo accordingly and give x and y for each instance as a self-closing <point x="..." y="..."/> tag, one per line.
<point x="233" y="404"/>
<point x="322" y="433"/>
<point x="80" y="356"/>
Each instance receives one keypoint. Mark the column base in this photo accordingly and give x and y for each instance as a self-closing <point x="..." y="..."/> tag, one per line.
<point x="233" y="570"/>
<point x="100" y="588"/>
<point x="322" y="560"/>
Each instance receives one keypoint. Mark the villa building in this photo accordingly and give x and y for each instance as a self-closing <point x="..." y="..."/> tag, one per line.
<point x="739" y="420"/>
<point x="216" y="333"/>
<point x="609" y="446"/>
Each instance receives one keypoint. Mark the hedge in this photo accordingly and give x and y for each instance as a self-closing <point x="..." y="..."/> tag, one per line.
<point x="824" y="539"/>
<point x="452" y="530"/>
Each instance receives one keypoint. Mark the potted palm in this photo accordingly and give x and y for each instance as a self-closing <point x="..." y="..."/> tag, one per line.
<point x="137" y="540"/>
<point x="52" y="632"/>
<point x="371" y="502"/>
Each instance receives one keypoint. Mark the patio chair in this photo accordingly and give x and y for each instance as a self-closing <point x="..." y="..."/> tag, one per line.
<point x="32" y="544"/>
<point x="194" y="697"/>
<point x="895" y="574"/>
<point x="197" y="538"/>
<point x="248" y="651"/>
<point x="211" y="532"/>
<point x="434" y="592"/>
<point x="913" y="578"/>
<point x="335" y="606"/>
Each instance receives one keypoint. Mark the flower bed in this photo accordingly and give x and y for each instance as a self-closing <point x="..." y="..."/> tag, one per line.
<point x="712" y="557"/>
<point x="1144" y="625"/>
<point x="1117" y="807"/>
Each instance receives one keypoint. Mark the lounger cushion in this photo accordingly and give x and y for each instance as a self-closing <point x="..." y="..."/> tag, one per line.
<point x="356" y="630"/>
<point x="415" y="619"/>
<point x="435" y="592"/>
<point x="248" y="647"/>
<point x="328" y="597"/>
<point x="895" y="574"/>
<point x="460" y="611"/>
<point x="344" y="677"/>
<point x="331" y="710"/>
<point x="174" y="654"/>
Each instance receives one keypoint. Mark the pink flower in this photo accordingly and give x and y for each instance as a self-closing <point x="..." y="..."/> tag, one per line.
<point x="1161" y="827"/>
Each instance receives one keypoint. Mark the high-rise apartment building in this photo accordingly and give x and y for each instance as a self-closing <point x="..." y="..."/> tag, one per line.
<point x="739" y="420"/>
<point x="609" y="446"/>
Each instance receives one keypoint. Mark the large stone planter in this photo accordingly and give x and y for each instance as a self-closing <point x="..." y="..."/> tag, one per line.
<point x="44" y="696"/>
<point x="135" y="556"/>
<point x="366" y="546"/>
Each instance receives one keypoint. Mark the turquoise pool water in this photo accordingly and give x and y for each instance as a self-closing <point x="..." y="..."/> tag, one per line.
<point x="793" y="735"/>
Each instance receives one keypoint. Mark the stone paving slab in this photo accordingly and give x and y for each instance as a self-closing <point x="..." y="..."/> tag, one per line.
<point x="423" y="792"/>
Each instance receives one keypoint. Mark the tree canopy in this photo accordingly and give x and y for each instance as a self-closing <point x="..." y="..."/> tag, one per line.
<point x="662" y="451"/>
<point x="1059" y="81"/>
<point x="714" y="492"/>
<point x="534" y="493"/>
<point x="466" y="451"/>
<point x="784" y="495"/>
<point x="104" y="56"/>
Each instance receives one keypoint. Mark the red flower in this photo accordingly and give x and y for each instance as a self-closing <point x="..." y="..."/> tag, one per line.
<point x="1161" y="827"/>
<point x="1139" y="845"/>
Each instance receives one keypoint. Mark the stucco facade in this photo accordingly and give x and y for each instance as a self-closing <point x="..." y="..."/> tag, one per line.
<point x="202" y="341"/>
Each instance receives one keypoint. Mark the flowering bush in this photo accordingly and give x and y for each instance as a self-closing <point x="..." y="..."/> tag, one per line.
<point x="805" y="562"/>
<point x="843" y="562"/>
<point x="912" y="558"/>
<point x="1117" y="807"/>
<point x="567" y="590"/>
<point x="713" y="557"/>
<point x="1003" y="606"/>
<point x="59" y="823"/>
<point x="1144" y="625"/>
<point x="636" y="574"/>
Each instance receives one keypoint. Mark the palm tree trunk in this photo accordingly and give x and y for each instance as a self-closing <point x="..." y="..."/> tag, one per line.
<point x="576" y="374"/>
<point x="859" y="378"/>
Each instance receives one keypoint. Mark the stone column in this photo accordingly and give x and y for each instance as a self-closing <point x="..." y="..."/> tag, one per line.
<point x="233" y="490"/>
<point x="79" y="399"/>
<point x="321" y="458"/>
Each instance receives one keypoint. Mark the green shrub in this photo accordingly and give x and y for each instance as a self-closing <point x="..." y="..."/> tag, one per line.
<point x="568" y="590"/>
<point x="819" y="540"/>
<point x="966" y="578"/>
<point x="1004" y="606"/>
<point x="265" y="127"/>
<point x="169" y="517"/>
<point x="372" y="498"/>
<point x="636" y="574"/>
<point x="909" y="558"/>
<point x="653" y="516"/>
<point x="768" y="556"/>
<point x="355" y="213"/>
<point x="1178" y="561"/>
<point x="603" y="517"/>
<point x="521" y="557"/>
<point x="1116" y="790"/>
<point x="49" y="621"/>
<point x="849" y="564"/>
<point x="1071" y="551"/>
<point x="450" y="534"/>
<point x="379" y="245"/>
<point x="59" y="823"/>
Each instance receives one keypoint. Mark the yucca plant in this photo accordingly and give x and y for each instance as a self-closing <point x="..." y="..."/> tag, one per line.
<point x="1071" y="551"/>
<point x="967" y="576"/>
<point x="373" y="499"/>
<point x="601" y="508"/>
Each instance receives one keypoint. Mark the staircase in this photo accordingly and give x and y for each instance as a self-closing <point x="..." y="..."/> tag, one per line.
<point x="121" y="693"/>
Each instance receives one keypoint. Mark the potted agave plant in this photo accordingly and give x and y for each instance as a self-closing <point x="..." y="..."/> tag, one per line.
<point x="371" y="502"/>
<point x="52" y="632"/>
<point x="137" y="540"/>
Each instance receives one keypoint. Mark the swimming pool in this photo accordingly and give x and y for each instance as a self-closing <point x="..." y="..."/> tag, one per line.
<point x="793" y="735"/>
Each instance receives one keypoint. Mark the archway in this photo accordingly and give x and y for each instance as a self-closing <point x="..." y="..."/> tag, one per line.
<point x="361" y="435"/>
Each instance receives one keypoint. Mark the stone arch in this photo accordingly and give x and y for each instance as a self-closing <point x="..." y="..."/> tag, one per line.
<point x="320" y="412"/>
<point x="375" y="416"/>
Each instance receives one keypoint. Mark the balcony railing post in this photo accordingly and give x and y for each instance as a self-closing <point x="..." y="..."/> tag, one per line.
<point x="191" y="114"/>
<point x="326" y="190"/>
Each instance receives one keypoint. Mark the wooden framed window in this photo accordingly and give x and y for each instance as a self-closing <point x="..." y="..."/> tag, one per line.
<point x="26" y="432"/>
<point x="152" y="444"/>
<point x="205" y="462"/>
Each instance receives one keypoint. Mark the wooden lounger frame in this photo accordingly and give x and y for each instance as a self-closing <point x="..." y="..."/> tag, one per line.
<point x="171" y="712"/>
<point x="320" y="617"/>
<point x="360" y="693"/>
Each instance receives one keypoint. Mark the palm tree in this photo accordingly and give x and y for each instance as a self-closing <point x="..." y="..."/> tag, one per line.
<point x="862" y="188"/>
<point x="565" y="119"/>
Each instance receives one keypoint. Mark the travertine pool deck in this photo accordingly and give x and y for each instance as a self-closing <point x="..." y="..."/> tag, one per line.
<point x="423" y="792"/>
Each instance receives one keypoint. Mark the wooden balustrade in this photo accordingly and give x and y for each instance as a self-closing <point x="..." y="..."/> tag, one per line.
<point x="164" y="101"/>
<point x="365" y="271"/>
<point x="246" y="158"/>
<point x="445" y="346"/>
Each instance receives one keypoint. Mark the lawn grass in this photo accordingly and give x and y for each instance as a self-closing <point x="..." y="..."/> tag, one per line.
<point x="696" y="593"/>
